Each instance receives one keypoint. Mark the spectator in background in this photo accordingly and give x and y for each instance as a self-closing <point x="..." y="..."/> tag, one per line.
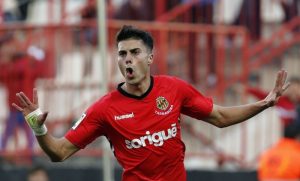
<point x="37" y="173"/>
<point x="282" y="161"/>
<point x="18" y="72"/>
<point x="15" y="10"/>
<point x="89" y="12"/>
<point x="23" y="6"/>
<point x="136" y="10"/>
<point x="202" y="13"/>
<point x="290" y="9"/>
<point x="15" y="77"/>
<point x="249" y="17"/>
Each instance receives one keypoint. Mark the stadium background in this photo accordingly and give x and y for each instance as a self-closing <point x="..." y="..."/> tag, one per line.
<point x="213" y="44"/>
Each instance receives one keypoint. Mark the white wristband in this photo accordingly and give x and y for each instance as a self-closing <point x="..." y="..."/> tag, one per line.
<point x="31" y="119"/>
<point x="40" y="131"/>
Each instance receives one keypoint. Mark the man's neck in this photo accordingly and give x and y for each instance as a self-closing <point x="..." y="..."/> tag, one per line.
<point x="137" y="89"/>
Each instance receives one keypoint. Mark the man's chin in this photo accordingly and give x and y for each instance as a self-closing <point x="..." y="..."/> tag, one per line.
<point x="131" y="80"/>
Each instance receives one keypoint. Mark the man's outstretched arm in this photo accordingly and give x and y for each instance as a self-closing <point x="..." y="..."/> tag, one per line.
<point x="227" y="116"/>
<point x="58" y="149"/>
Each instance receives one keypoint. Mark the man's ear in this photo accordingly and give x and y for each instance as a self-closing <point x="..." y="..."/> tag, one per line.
<point x="150" y="59"/>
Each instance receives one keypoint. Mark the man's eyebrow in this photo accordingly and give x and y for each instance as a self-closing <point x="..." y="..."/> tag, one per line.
<point x="131" y="50"/>
<point x="122" y="51"/>
<point x="134" y="49"/>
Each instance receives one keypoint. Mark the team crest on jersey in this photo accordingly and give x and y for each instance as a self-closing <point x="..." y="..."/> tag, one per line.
<point x="163" y="106"/>
<point x="162" y="103"/>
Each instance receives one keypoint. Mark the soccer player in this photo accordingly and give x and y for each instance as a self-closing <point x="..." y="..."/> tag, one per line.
<point x="141" y="119"/>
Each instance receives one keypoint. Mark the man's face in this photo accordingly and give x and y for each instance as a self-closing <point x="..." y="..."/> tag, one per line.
<point x="134" y="60"/>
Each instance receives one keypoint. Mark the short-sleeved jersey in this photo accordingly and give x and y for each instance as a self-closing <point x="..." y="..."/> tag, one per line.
<point x="144" y="131"/>
<point x="281" y="162"/>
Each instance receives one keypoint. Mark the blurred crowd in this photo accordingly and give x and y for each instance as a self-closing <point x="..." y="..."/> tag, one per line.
<point x="251" y="14"/>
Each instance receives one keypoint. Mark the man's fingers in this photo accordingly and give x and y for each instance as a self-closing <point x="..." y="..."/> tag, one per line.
<point x="21" y="100"/>
<point x="25" y="98"/>
<point x="284" y="76"/>
<point x="35" y="97"/>
<point x="17" y="107"/>
<point x="286" y="86"/>
<point x="278" y="79"/>
<point x="281" y="79"/>
<point x="281" y="84"/>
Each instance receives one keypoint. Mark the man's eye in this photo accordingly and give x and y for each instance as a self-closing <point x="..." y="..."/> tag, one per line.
<point x="122" y="54"/>
<point x="135" y="52"/>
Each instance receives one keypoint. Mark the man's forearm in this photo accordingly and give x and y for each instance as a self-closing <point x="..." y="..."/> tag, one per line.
<point x="228" y="116"/>
<point x="243" y="113"/>
<point x="58" y="149"/>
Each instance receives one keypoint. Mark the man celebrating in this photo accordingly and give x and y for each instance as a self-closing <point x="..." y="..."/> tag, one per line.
<point x="141" y="118"/>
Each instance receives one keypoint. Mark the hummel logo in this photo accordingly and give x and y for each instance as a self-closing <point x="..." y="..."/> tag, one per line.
<point x="125" y="116"/>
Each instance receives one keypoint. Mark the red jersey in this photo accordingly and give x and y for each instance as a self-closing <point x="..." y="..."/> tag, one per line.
<point x="144" y="130"/>
<point x="286" y="108"/>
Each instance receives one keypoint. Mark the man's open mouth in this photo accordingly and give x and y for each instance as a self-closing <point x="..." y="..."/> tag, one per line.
<point x="129" y="71"/>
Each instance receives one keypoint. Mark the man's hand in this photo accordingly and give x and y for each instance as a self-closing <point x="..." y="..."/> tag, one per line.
<point x="280" y="87"/>
<point x="33" y="115"/>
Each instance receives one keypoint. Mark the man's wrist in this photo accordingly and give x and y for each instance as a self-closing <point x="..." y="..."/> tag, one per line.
<point x="32" y="120"/>
<point x="264" y="104"/>
<point x="40" y="131"/>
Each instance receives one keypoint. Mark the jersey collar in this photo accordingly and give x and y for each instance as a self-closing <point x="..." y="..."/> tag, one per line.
<point x="134" y="96"/>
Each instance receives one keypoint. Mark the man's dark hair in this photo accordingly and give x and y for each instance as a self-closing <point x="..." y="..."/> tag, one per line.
<point x="130" y="32"/>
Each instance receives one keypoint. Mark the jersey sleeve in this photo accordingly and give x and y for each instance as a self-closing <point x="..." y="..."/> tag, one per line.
<point x="90" y="126"/>
<point x="194" y="104"/>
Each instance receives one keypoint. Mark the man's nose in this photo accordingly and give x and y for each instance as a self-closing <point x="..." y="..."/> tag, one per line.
<point x="128" y="59"/>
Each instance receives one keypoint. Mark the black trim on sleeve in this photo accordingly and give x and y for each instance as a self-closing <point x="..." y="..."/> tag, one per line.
<point x="134" y="96"/>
